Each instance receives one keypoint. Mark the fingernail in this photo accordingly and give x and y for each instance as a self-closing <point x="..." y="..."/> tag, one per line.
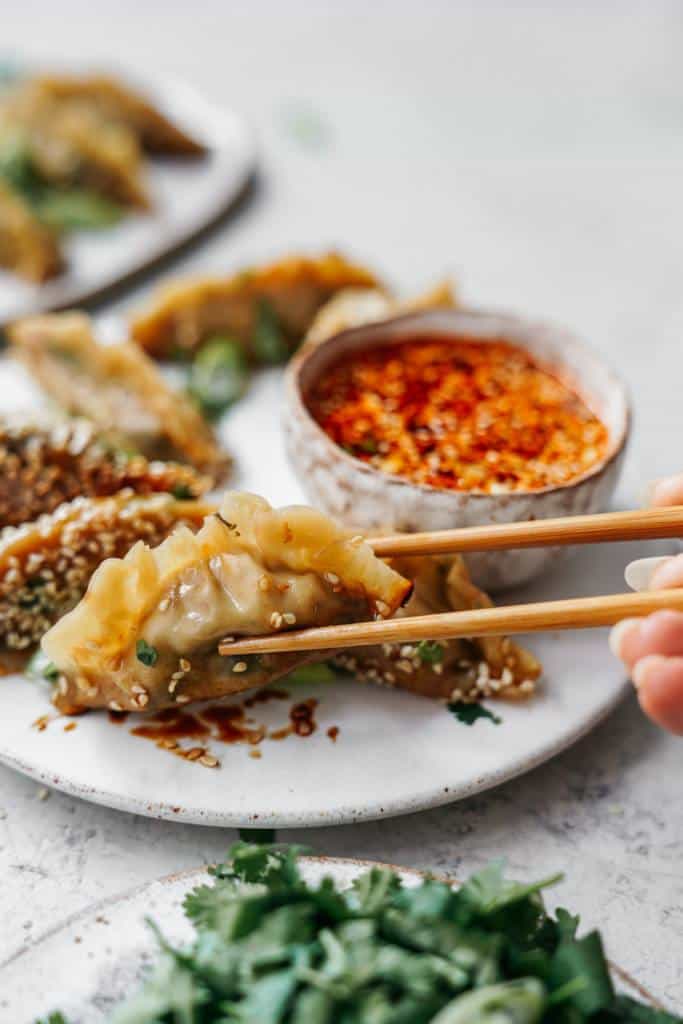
<point x="638" y="574"/>
<point x="618" y="633"/>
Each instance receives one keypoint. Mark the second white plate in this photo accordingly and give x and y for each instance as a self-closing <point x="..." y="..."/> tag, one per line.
<point x="187" y="195"/>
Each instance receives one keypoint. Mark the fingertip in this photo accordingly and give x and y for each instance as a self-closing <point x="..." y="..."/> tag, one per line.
<point x="668" y="573"/>
<point x="667" y="491"/>
<point x="659" y="683"/>
<point x="622" y="635"/>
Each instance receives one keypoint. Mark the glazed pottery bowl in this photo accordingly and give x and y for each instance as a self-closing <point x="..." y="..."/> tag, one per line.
<point x="364" y="497"/>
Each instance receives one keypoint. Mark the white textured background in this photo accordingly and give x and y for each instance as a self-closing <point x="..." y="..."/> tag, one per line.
<point x="535" y="151"/>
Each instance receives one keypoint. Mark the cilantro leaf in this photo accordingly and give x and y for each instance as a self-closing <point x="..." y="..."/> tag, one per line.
<point x="430" y="652"/>
<point x="145" y="653"/>
<point x="584" y="959"/>
<point x="468" y="714"/>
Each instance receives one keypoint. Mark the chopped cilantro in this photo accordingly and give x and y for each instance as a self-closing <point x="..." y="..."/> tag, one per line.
<point x="321" y="672"/>
<point x="268" y="342"/>
<point x="182" y="492"/>
<point x="147" y="654"/>
<point x="257" y="835"/>
<point x="271" y="948"/>
<point x="40" y="667"/>
<point x="430" y="652"/>
<point x="470" y="713"/>
<point x="219" y="374"/>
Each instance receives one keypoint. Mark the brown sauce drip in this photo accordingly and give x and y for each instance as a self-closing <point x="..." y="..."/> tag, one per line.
<point x="301" y="721"/>
<point x="226" y="723"/>
<point x="117" y="717"/>
<point x="172" y="724"/>
<point x="333" y="732"/>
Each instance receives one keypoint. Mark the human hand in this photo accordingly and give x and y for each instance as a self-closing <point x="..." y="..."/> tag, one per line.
<point x="652" y="647"/>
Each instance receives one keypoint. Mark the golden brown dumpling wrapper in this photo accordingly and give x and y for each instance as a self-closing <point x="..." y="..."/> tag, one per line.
<point x="46" y="565"/>
<point x="119" y="102"/>
<point x="454" y="670"/>
<point x="116" y="387"/>
<point x="183" y="314"/>
<point x="44" y="464"/>
<point x="146" y="634"/>
<point x="354" y="307"/>
<point x="27" y="247"/>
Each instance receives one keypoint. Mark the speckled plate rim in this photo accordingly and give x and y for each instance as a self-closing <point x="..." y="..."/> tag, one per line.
<point x="317" y="818"/>
<point x="198" y="874"/>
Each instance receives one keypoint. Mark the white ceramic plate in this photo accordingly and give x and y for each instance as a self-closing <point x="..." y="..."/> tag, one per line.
<point x="187" y="195"/>
<point x="89" y="964"/>
<point x="395" y="753"/>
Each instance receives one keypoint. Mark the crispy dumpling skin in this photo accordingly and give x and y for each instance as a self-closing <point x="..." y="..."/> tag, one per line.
<point x="116" y="387"/>
<point x="44" y="464"/>
<point x="184" y="314"/>
<point x="354" y="307"/>
<point x="119" y="102"/>
<point x="71" y="143"/>
<point x="46" y="565"/>
<point x="146" y="634"/>
<point x="454" y="670"/>
<point x="27" y="247"/>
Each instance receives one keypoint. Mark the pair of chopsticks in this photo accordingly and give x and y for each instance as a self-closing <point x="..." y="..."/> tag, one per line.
<point x="575" y="613"/>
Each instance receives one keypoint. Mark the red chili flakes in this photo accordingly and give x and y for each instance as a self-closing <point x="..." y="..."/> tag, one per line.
<point x="459" y="415"/>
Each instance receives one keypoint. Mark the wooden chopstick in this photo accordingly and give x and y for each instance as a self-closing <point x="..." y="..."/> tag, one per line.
<point x="575" y="613"/>
<point x="638" y="524"/>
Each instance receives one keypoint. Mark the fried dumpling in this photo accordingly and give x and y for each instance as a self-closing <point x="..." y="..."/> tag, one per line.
<point x="27" y="246"/>
<point x="118" y="102"/>
<point x="146" y="634"/>
<point x="281" y="298"/>
<point x="116" y="387"/>
<point x="354" y="307"/>
<point x="455" y="670"/>
<point x="71" y="143"/>
<point x="44" y="464"/>
<point x="46" y="565"/>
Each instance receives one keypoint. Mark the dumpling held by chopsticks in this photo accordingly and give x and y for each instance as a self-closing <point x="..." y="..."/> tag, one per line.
<point x="146" y="634"/>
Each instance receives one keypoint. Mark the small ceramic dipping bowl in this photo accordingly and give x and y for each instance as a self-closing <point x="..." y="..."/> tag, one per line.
<point x="362" y="496"/>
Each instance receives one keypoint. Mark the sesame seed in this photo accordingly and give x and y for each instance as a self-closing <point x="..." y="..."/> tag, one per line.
<point x="240" y="666"/>
<point x="289" y="618"/>
<point x="115" y="706"/>
<point x="332" y="578"/>
<point x="264" y="583"/>
<point x="182" y="699"/>
<point x="185" y="665"/>
<point x="142" y="700"/>
<point x="209" y="761"/>
<point x="276" y="620"/>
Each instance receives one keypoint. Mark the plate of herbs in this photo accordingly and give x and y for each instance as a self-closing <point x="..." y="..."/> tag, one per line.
<point x="272" y="937"/>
